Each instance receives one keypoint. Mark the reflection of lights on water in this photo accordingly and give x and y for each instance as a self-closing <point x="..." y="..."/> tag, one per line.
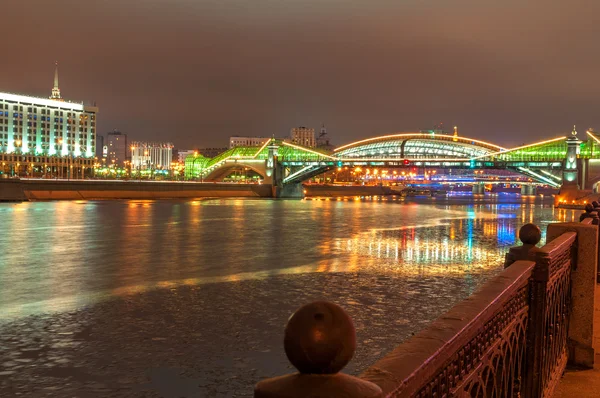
<point x="422" y="251"/>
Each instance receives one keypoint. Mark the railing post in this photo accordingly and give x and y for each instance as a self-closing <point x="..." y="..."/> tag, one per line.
<point x="319" y="341"/>
<point x="530" y="235"/>
<point x="583" y="290"/>
<point x="535" y="329"/>
<point x="596" y="221"/>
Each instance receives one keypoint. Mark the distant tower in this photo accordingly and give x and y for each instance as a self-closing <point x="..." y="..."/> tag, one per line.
<point x="455" y="134"/>
<point x="323" y="139"/>
<point x="55" y="90"/>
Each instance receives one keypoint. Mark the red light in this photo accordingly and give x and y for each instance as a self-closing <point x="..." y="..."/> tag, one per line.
<point x="406" y="162"/>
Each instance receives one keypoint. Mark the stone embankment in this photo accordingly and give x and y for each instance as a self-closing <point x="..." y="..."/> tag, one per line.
<point x="25" y="189"/>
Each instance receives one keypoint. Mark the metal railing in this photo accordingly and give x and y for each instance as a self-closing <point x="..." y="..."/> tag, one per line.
<point x="512" y="338"/>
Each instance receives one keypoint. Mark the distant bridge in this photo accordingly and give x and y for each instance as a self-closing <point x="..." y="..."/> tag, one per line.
<point x="286" y="165"/>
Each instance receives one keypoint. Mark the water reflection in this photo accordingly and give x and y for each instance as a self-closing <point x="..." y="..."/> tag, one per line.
<point x="62" y="255"/>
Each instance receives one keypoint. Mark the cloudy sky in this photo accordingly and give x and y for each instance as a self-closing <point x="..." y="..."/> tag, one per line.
<point x="197" y="71"/>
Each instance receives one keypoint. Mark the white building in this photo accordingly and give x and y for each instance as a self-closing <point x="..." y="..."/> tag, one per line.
<point x="42" y="126"/>
<point x="247" y="141"/>
<point x="303" y="136"/>
<point x="39" y="136"/>
<point x="151" y="155"/>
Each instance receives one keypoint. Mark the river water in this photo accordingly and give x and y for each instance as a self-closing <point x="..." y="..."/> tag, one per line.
<point x="213" y="281"/>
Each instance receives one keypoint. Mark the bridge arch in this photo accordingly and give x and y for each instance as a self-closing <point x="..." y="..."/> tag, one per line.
<point x="224" y="169"/>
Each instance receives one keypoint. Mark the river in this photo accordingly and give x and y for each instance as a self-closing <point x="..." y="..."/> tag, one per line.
<point x="189" y="298"/>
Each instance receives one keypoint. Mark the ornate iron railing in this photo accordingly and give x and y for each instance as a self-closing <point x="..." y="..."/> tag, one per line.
<point x="475" y="350"/>
<point x="550" y="296"/>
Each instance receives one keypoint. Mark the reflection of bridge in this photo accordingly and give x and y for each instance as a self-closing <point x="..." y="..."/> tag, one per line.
<point x="284" y="165"/>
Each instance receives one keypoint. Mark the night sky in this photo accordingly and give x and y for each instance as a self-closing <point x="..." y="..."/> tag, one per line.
<point x="197" y="71"/>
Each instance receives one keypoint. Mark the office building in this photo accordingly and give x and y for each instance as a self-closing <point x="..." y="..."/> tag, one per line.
<point x="117" y="148"/>
<point x="46" y="136"/>
<point x="180" y="154"/>
<point x="247" y="141"/>
<point x="303" y="136"/>
<point x="151" y="155"/>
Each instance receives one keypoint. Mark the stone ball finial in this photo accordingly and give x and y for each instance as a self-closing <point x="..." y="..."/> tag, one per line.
<point x="530" y="234"/>
<point x="320" y="338"/>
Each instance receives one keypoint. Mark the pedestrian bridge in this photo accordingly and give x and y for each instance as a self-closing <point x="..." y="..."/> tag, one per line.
<point x="543" y="162"/>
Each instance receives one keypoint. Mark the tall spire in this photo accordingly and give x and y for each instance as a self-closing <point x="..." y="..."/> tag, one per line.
<point x="55" y="90"/>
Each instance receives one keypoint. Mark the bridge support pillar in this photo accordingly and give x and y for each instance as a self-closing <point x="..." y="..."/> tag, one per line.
<point x="528" y="190"/>
<point x="570" y="170"/>
<point x="289" y="191"/>
<point x="478" y="189"/>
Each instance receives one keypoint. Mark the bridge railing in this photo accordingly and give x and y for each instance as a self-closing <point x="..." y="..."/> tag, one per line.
<point x="511" y="338"/>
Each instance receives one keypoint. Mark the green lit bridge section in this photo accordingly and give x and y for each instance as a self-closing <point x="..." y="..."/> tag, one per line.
<point x="546" y="151"/>
<point x="253" y="157"/>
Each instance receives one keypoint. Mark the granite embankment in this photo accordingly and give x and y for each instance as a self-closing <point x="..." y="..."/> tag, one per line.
<point x="40" y="189"/>
<point x="30" y="189"/>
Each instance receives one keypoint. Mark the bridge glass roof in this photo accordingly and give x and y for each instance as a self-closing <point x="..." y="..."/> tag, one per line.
<point x="417" y="146"/>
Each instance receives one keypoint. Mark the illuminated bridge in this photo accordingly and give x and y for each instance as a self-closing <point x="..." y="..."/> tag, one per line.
<point x="552" y="162"/>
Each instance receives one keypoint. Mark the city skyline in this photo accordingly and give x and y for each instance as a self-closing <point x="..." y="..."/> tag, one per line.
<point x="196" y="74"/>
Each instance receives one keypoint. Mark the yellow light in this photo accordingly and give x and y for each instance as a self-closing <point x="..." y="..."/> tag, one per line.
<point x="593" y="136"/>
<point x="521" y="147"/>
<point x="307" y="150"/>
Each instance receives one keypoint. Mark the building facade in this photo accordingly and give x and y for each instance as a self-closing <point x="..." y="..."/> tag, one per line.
<point x="117" y="148"/>
<point x="303" y="136"/>
<point x="212" y="152"/>
<point x="45" y="136"/>
<point x="180" y="154"/>
<point x="151" y="155"/>
<point x="99" y="146"/>
<point x="247" y="141"/>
